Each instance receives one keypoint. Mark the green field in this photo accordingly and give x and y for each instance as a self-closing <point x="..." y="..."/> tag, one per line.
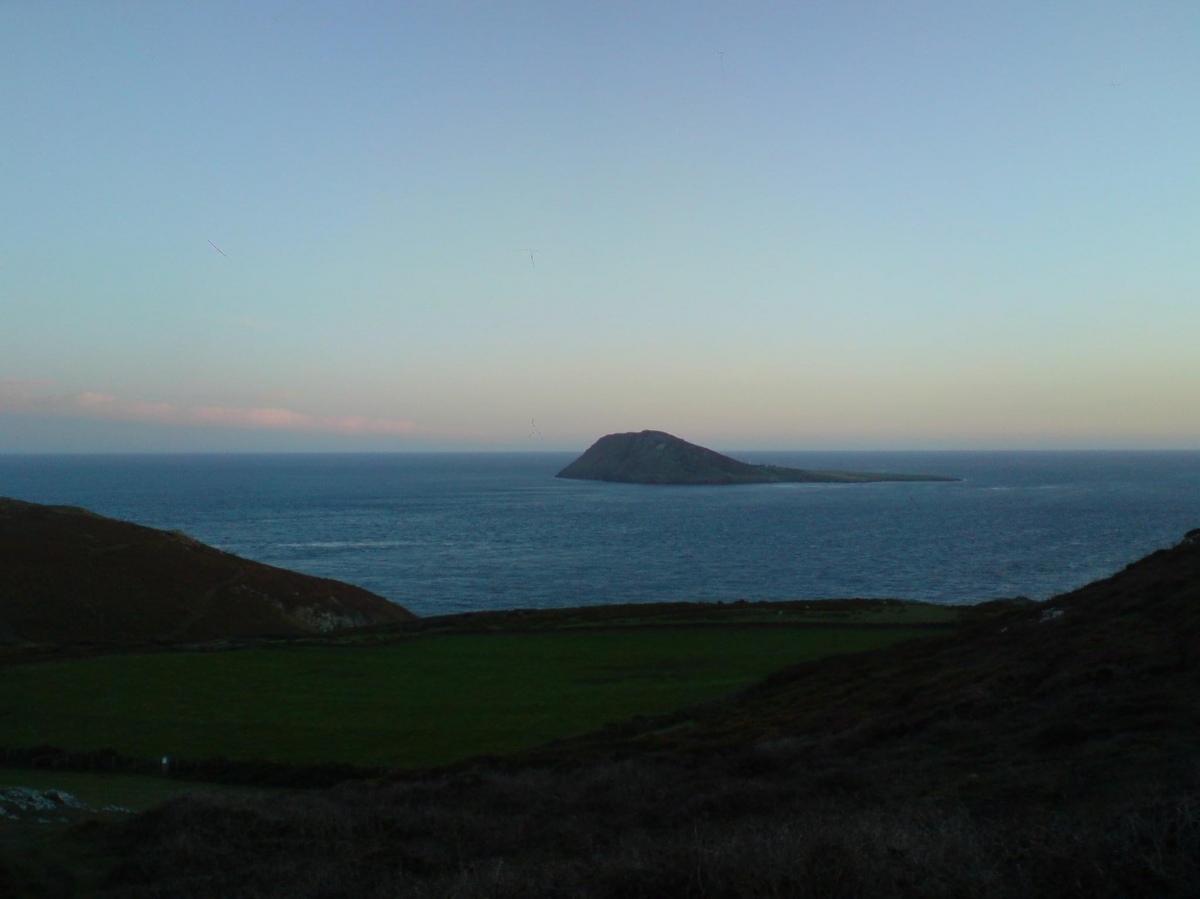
<point x="427" y="700"/>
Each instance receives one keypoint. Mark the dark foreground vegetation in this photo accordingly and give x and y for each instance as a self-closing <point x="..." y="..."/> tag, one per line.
<point x="743" y="825"/>
<point x="1037" y="749"/>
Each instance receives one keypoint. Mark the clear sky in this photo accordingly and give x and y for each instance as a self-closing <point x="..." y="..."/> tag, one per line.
<point x="410" y="226"/>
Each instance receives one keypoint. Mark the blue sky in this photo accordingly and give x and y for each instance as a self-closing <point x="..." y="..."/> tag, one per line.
<point x="794" y="226"/>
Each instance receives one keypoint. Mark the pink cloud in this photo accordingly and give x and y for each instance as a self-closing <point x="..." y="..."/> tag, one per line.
<point x="101" y="405"/>
<point x="287" y="420"/>
<point x="27" y="398"/>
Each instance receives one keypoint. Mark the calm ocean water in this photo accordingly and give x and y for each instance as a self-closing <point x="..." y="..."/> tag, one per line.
<point x="453" y="532"/>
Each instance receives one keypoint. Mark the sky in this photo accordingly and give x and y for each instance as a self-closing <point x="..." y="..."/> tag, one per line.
<point x="250" y="226"/>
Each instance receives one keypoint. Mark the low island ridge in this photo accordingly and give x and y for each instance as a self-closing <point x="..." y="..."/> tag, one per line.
<point x="656" y="457"/>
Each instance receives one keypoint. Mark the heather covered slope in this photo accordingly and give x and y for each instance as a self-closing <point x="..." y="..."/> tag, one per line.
<point x="70" y="576"/>
<point x="655" y="457"/>
<point x="1087" y="693"/>
<point x="1046" y="749"/>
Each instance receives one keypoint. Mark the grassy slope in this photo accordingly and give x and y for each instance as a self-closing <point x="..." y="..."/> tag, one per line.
<point x="423" y="701"/>
<point x="446" y="688"/>
<point x="1087" y="697"/>
<point x="70" y="576"/>
<point x="1027" y="754"/>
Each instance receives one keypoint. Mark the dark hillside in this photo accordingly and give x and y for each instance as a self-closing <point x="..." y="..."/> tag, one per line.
<point x="1102" y="683"/>
<point x="70" y="576"/>
<point x="1045" y="749"/>
<point x="655" y="457"/>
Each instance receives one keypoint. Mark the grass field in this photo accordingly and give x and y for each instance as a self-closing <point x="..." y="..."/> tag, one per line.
<point x="423" y="701"/>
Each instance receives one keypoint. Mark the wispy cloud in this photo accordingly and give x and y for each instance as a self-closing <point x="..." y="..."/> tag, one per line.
<point x="30" y="398"/>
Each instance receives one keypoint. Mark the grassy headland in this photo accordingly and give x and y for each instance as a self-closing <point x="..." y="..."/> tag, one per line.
<point x="1020" y="749"/>
<point x="70" y="576"/>
<point x="1040" y="749"/>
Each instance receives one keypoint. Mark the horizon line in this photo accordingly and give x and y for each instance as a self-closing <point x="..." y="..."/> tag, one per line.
<point x="536" y="452"/>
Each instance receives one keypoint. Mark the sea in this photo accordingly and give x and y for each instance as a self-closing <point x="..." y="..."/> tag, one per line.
<point x="453" y="532"/>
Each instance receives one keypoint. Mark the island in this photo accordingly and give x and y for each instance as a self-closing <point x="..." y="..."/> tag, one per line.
<point x="656" y="457"/>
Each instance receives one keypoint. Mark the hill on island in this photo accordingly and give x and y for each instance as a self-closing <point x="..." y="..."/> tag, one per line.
<point x="656" y="457"/>
<point x="70" y="576"/>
